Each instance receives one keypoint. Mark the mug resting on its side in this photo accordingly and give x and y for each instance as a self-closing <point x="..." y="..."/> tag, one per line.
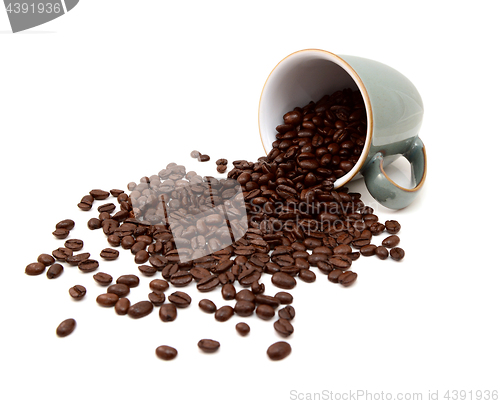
<point x="393" y="106"/>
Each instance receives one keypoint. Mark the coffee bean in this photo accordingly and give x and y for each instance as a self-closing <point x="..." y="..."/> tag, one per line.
<point x="224" y="313"/>
<point x="122" y="306"/>
<point x="116" y="192"/>
<point x="168" y="312"/>
<point x="147" y="270"/>
<point x="333" y="276"/>
<point x="368" y="250"/>
<point x="207" y="306"/>
<point x="283" y="327"/>
<point x="242" y="329"/>
<point x="397" y="254"/>
<point x="99" y="194"/>
<point x="77" y="292"/>
<point x="74" y="244"/>
<point x="157" y="298"/>
<point x="340" y="262"/>
<point x="264" y="311"/>
<point x="347" y="278"/>
<point x="107" y="207"/>
<point x="244" y="308"/>
<point x="221" y="168"/>
<point x="208" y="283"/>
<point x="181" y="278"/>
<point x="269" y="300"/>
<point x="391" y="241"/>
<point x="228" y="292"/>
<point x="382" y="252"/>
<point x="392" y="226"/>
<point x="62" y="253"/>
<point x="109" y="254"/>
<point x="74" y="260"/>
<point x="140" y="309"/>
<point x="131" y="281"/>
<point x="119" y="289"/>
<point x="55" y="271"/>
<point x="208" y="345"/>
<point x="279" y="350"/>
<point x="158" y="285"/>
<point x="88" y="265"/>
<point x="103" y="279"/>
<point x="287" y="312"/>
<point x="46" y="259"/>
<point x="114" y="240"/>
<point x="61" y="233"/>
<point x="66" y="327"/>
<point x="67" y="224"/>
<point x="284" y="297"/>
<point x="94" y="223"/>
<point x="107" y="299"/>
<point x="307" y="276"/>
<point x="195" y="154"/>
<point x="245" y="294"/>
<point x="180" y="299"/>
<point x="141" y="257"/>
<point x="204" y="157"/>
<point x="283" y="281"/>
<point x="36" y="268"/>
<point x="166" y="352"/>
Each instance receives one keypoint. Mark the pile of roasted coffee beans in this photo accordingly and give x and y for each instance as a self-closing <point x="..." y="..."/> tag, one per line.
<point x="293" y="219"/>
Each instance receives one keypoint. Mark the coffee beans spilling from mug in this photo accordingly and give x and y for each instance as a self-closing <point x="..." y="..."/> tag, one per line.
<point x="277" y="218"/>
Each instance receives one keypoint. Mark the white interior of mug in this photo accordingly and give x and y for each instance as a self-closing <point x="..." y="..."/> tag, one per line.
<point x="305" y="76"/>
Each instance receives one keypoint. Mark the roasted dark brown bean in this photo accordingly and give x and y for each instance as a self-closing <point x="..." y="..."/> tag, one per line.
<point x="283" y="327"/>
<point x="347" y="278"/>
<point x="107" y="299"/>
<point x="397" y="254"/>
<point x="103" y="279"/>
<point x="242" y="329"/>
<point x="66" y="327"/>
<point x="264" y="312"/>
<point x="140" y="309"/>
<point x="77" y="292"/>
<point x="208" y="345"/>
<point x="287" y="313"/>
<point x="131" y="281"/>
<point x="168" y="312"/>
<point x="283" y="281"/>
<point x="207" y="306"/>
<point x="391" y="241"/>
<point x="36" y="268"/>
<point x="279" y="350"/>
<point x="224" y="313"/>
<point x="122" y="306"/>
<point x="166" y="352"/>
<point x="180" y="299"/>
<point x="55" y="271"/>
<point x="109" y="254"/>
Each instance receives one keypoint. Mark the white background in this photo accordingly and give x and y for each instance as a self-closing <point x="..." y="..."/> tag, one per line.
<point x="117" y="89"/>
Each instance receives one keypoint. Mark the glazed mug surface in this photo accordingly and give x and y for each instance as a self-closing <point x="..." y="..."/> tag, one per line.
<point x="394" y="115"/>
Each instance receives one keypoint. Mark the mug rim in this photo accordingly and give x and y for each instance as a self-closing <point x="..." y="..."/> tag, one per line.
<point x="339" y="182"/>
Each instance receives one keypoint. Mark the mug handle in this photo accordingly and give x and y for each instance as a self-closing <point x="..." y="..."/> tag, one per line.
<point x="386" y="191"/>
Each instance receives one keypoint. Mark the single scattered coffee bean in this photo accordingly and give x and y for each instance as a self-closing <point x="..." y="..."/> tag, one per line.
<point x="166" y="352"/>
<point x="195" y="154"/>
<point x="141" y="257"/>
<point x="181" y="278"/>
<point x="66" y="327"/>
<point x="62" y="253"/>
<point x="116" y="192"/>
<point x="94" y="223"/>
<point x="243" y="329"/>
<point x="269" y="300"/>
<point x="392" y="226"/>
<point x="103" y="279"/>
<point x="204" y="157"/>
<point x="67" y="224"/>
<point x="55" y="271"/>
<point x="368" y="250"/>
<point x="180" y="299"/>
<point x="221" y="168"/>
<point x="244" y="308"/>
<point x="114" y="240"/>
<point x="46" y="259"/>
<point x="283" y="280"/>
<point x="148" y="270"/>
<point x="264" y="311"/>
<point x="157" y="298"/>
<point x="77" y="292"/>
<point x="207" y="306"/>
<point x="208" y="345"/>
<point x="224" y="313"/>
<point x="228" y="291"/>
<point x="107" y="299"/>
<point x="74" y="260"/>
<point x="347" y="278"/>
<point x="307" y="275"/>
<point x="382" y="252"/>
<point x="160" y="285"/>
<point x="284" y="297"/>
<point x="122" y="306"/>
<point x="61" y="233"/>
<point x="35" y="268"/>
<point x="107" y="207"/>
<point x="140" y="309"/>
<point x="131" y="281"/>
<point x="74" y="244"/>
<point x="279" y="350"/>
<point x="99" y="194"/>
<point x="333" y="276"/>
<point x="88" y="265"/>
<point x="221" y="162"/>
<point x="109" y="254"/>
<point x="397" y="254"/>
<point x="168" y="312"/>
<point x="283" y="327"/>
<point x="287" y="312"/>
<point x="119" y="289"/>
<point x="391" y="241"/>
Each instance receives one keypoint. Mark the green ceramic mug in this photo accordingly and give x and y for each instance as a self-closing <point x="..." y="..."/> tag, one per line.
<point x="394" y="115"/>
